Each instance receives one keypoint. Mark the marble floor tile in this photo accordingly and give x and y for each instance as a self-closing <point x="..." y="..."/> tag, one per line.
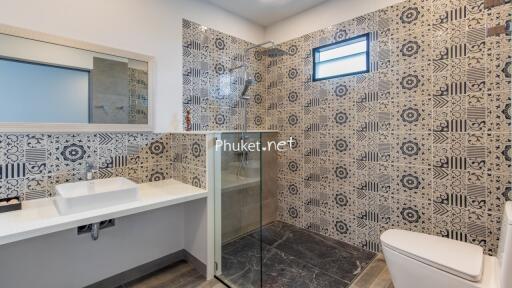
<point x="292" y="257"/>
<point x="241" y="263"/>
<point x="240" y="268"/>
<point x="282" y="271"/>
<point x="337" y="258"/>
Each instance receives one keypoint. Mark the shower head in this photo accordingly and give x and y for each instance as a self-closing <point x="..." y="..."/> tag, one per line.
<point x="274" y="52"/>
<point x="247" y="85"/>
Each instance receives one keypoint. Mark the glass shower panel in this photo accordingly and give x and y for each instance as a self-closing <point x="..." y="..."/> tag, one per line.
<point x="238" y="211"/>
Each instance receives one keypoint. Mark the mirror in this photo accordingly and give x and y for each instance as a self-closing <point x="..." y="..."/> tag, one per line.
<point x="47" y="83"/>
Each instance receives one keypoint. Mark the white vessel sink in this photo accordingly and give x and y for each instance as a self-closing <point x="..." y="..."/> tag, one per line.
<point x="88" y="195"/>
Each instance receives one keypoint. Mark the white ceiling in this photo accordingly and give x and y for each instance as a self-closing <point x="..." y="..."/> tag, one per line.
<point x="265" y="12"/>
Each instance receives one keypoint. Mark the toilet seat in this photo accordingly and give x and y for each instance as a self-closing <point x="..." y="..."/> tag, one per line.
<point x="461" y="259"/>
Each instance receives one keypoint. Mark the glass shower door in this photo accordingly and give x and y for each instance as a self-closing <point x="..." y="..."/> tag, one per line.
<point x="238" y="211"/>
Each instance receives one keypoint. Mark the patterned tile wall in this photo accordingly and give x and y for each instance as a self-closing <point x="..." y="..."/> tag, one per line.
<point x="189" y="159"/>
<point x="32" y="164"/>
<point x="422" y="142"/>
<point x="210" y="90"/>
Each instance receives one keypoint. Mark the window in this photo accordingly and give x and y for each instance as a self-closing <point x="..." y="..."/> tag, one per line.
<point x="344" y="58"/>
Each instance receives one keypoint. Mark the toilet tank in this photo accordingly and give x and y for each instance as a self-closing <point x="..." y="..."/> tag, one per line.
<point x="505" y="247"/>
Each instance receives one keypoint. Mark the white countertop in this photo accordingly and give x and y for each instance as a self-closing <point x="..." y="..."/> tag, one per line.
<point x="40" y="217"/>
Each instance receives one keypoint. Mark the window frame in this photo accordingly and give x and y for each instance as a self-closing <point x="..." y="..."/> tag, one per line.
<point x="316" y="51"/>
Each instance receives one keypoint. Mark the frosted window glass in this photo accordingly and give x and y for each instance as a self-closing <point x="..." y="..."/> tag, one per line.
<point x="342" y="66"/>
<point x="343" y="51"/>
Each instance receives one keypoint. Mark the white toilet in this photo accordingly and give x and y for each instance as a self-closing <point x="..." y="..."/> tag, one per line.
<point x="417" y="260"/>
